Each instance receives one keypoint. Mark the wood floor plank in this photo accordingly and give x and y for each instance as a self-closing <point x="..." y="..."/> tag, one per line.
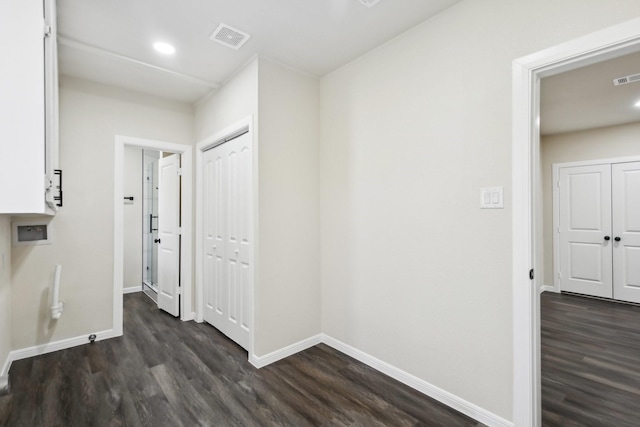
<point x="590" y="362"/>
<point x="165" y="372"/>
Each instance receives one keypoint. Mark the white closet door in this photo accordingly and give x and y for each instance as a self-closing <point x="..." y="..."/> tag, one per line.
<point x="213" y="227"/>
<point x="585" y="224"/>
<point x="626" y="228"/>
<point x="168" y="234"/>
<point x="228" y="237"/>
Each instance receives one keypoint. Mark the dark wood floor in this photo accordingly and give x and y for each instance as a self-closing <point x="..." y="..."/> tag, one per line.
<point x="590" y="362"/>
<point x="164" y="372"/>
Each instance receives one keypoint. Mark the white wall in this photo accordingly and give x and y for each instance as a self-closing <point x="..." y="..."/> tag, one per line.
<point x="593" y="144"/>
<point x="287" y="290"/>
<point x="90" y="117"/>
<point x="288" y="295"/>
<point x="413" y="272"/>
<point x="132" y="217"/>
<point x="5" y="289"/>
<point x="236" y="100"/>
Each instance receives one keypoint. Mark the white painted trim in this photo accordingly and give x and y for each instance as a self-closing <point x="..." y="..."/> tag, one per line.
<point x="201" y="147"/>
<point x="290" y="350"/>
<point x="6" y="366"/>
<point x="118" y="235"/>
<point x="132" y="289"/>
<point x="449" y="399"/>
<point x="186" y="263"/>
<point x="555" y="207"/>
<point x="53" y="346"/>
<point x="527" y="72"/>
<point x="597" y="162"/>
<point x="548" y="288"/>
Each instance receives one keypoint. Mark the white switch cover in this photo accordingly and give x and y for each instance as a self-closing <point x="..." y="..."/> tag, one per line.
<point x="491" y="198"/>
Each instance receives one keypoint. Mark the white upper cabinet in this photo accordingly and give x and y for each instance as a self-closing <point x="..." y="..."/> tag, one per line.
<point x="28" y="107"/>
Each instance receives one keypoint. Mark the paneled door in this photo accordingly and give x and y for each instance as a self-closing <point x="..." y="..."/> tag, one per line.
<point x="169" y="234"/>
<point x="585" y="230"/>
<point x="599" y="232"/>
<point x="228" y="237"/>
<point x="626" y="231"/>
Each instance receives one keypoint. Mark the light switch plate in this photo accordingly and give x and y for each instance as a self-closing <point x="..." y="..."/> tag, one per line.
<point x="491" y="198"/>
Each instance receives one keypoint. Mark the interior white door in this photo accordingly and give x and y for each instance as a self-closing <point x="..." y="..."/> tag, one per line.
<point x="626" y="231"/>
<point x="214" y="194"/>
<point x="228" y="237"/>
<point x="585" y="230"/>
<point x="169" y="234"/>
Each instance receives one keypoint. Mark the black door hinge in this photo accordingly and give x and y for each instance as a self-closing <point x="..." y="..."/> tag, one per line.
<point x="531" y="274"/>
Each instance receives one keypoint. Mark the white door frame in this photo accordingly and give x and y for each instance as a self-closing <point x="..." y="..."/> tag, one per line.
<point x="206" y="144"/>
<point x="186" y="151"/>
<point x="527" y="210"/>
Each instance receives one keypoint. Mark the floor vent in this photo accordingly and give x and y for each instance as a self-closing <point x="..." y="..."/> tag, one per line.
<point x="229" y="36"/>
<point x="369" y="3"/>
<point x="626" y="79"/>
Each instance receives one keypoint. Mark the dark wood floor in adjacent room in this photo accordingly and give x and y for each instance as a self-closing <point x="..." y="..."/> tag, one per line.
<point x="590" y="362"/>
<point x="165" y="372"/>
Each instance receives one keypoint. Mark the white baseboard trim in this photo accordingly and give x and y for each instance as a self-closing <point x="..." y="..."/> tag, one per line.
<point x="53" y="346"/>
<point x="455" y="402"/>
<point x="548" y="288"/>
<point x="6" y="366"/>
<point x="267" y="359"/>
<point x="188" y="317"/>
<point x="132" y="289"/>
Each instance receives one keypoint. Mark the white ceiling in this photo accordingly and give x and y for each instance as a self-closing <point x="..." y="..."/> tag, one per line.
<point x="110" y="41"/>
<point x="586" y="98"/>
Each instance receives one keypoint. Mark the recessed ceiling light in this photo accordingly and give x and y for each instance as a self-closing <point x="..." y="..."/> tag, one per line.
<point x="164" y="48"/>
<point x="637" y="104"/>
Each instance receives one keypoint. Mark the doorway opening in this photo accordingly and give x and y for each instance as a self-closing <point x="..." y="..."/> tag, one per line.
<point x="151" y="225"/>
<point x="174" y="231"/>
<point x="589" y="133"/>
<point x="527" y="215"/>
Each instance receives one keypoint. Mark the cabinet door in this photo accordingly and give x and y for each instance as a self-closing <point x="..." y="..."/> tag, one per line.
<point x="626" y="228"/>
<point x="22" y="128"/>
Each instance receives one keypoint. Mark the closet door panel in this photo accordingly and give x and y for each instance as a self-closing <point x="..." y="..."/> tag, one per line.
<point x="585" y="221"/>
<point x="228" y="238"/>
<point x="626" y="228"/>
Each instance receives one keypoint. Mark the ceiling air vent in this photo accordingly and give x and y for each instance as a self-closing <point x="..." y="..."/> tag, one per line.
<point x="626" y="79"/>
<point x="229" y="36"/>
<point x="369" y="3"/>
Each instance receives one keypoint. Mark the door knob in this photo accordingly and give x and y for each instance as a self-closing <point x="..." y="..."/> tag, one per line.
<point x="156" y="240"/>
<point x="617" y="239"/>
<point x="607" y="238"/>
